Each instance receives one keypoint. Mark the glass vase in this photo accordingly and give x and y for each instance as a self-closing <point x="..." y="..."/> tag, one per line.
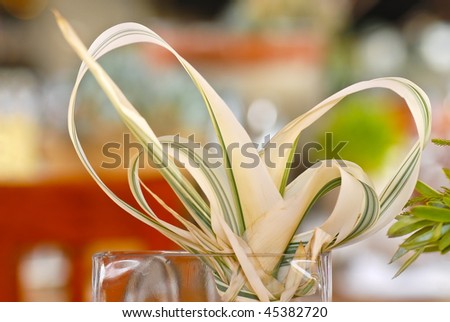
<point x="178" y="276"/>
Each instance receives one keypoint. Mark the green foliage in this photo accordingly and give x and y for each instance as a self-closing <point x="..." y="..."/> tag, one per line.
<point x="427" y="219"/>
<point x="441" y="142"/>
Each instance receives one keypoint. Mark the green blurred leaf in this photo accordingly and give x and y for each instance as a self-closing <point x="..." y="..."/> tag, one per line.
<point x="406" y="225"/>
<point x="441" y="142"/>
<point x="436" y="203"/>
<point x="444" y="242"/>
<point x="408" y="262"/>
<point x="437" y="232"/>
<point x="446" y="201"/>
<point x="426" y="190"/>
<point x="432" y="213"/>
<point x="422" y="237"/>
<point x="445" y="251"/>
<point x="447" y="173"/>
<point x="398" y="254"/>
<point x="431" y="248"/>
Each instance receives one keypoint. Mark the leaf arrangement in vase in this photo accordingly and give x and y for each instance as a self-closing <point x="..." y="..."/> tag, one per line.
<point x="251" y="210"/>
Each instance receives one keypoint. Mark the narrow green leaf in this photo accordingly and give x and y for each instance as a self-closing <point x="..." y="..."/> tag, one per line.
<point x="435" y="203"/>
<point x="441" y="142"/>
<point x="426" y="190"/>
<point x="408" y="262"/>
<point x="431" y="248"/>
<point x="432" y="213"/>
<point x="437" y="232"/>
<point x="426" y="237"/>
<point x="445" y="251"/>
<point x="444" y="242"/>
<point x="407" y="225"/>
<point x="419" y="239"/>
<point x="446" y="201"/>
<point x="446" y="172"/>
<point x="398" y="254"/>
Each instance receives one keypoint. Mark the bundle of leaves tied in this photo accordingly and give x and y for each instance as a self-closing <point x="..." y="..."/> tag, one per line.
<point x="426" y="220"/>
<point x="246" y="210"/>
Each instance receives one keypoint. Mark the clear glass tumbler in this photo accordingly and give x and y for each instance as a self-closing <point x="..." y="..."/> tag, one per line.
<point x="177" y="276"/>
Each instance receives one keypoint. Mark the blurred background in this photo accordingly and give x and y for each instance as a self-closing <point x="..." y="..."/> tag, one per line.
<point x="269" y="60"/>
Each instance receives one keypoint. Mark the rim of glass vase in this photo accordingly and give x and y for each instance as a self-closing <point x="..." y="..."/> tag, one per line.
<point x="183" y="253"/>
